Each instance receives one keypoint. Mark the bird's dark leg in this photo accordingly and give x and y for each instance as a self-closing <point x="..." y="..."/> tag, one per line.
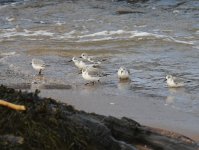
<point x="86" y="83"/>
<point x="40" y="72"/>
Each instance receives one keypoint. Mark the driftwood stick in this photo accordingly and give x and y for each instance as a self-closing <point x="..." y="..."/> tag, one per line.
<point x="11" y="105"/>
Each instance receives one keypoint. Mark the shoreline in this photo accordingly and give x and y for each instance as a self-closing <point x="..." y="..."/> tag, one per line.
<point x="69" y="128"/>
<point x="143" y="111"/>
<point x="186" y="132"/>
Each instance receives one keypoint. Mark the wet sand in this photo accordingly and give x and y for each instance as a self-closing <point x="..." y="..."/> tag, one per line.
<point x="144" y="110"/>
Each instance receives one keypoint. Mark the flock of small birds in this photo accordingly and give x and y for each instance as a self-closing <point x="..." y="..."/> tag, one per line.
<point x="89" y="67"/>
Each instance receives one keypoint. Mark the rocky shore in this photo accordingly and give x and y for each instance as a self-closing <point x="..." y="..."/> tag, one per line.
<point x="48" y="124"/>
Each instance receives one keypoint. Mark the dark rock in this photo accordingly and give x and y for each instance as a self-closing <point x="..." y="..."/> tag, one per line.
<point x="127" y="11"/>
<point x="2" y="2"/>
<point x="57" y="86"/>
<point x="136" y="1"/>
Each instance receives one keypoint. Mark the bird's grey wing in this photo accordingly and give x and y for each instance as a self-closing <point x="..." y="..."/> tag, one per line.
<point x="43" y="63"/>
<point x="94" y="73"/>
<point x="39" y="62"/>
<point x="178" y="79"/>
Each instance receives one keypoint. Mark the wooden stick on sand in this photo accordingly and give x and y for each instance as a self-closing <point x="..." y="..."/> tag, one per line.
<point x="12" y="106"/>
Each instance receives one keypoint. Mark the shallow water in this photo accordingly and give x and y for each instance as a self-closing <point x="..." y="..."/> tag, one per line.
<point x="161" y="39"/>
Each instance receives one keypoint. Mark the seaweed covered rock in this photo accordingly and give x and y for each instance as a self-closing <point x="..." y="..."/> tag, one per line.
<point x="48" y="124"/>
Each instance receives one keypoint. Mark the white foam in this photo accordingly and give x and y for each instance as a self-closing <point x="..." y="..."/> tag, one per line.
<point x="176" y="11"/>
<point x="84" y="20"/>
<point x="59" y="23"/>
<point x="95" y="40"/>
<point x="169" y="38"/>
<point x="7" y="54"/>
<point x="103" y="33"/>
<point x="10" y="19"/>
<point x="7" y="33"/>
<point x="67" y="35"/>
<point x="142" y="34"/>
<point x="14" y="3"/>
<point x="37" y="33"/>
<point x="97" y="36"/>
<point x="121" y="34"/>
<point x="94" y="34"/>
<point x="8" y="30"/>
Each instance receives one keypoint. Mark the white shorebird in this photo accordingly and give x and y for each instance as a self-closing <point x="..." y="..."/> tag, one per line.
<point x="82" y="65"/>
<point x="123" y="73"/>
<point x="38" y="65"/>
<point x="91" y="59"/>
<point x="84" y="56"/>
<point x="172" y="83"/>
<point x="79" y="64"/>
<point x="90" y="78"/>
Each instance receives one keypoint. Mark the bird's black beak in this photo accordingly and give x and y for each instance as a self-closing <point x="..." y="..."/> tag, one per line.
<point x="80" y="57"/>
<point x="165" y="80"/>
<point x="70" y="60"/>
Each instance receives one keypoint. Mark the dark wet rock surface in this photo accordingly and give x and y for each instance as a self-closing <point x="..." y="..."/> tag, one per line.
<point x="2" y="2"/>
<point x="48" y="124"/>
<point x="126" y="10"/>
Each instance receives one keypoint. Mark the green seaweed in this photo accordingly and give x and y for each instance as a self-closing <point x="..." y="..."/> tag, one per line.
<point x="43" y="125"/>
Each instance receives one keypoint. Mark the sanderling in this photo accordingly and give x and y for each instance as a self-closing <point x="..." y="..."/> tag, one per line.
<point x="123" y="73"/>
<point x="38" y="65"/>
<point x="173" y="84"/>
<point x="88" y="77"/>
<point x="84" y="56"/>
<point x="82" y="65"/>
<point x="79" y="64"/>
<point x="91" y="59"/>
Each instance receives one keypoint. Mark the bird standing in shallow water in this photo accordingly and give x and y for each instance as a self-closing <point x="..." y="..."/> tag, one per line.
<point x="88" y="77"/>
<point x="79" y="64"/>
<point x="90" y="59"/>
<point x="123" y="73"/>
<point x="82" y="65"/>
<point x="38" y="65"/>
<point x="171" y="83"/>
<point x="84" y="56"/>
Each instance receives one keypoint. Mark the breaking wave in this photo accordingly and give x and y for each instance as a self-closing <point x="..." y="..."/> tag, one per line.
<point x="85" y="36"/>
